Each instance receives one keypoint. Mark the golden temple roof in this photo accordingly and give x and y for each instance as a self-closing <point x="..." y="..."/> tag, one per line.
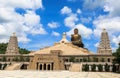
<point x="66" y="48"/>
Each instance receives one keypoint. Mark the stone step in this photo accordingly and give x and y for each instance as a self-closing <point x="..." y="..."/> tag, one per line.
<point x="15" y="66"/>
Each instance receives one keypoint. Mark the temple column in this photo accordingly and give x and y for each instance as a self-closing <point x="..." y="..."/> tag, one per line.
<point x="96" y="68"/>
<point x="89" y="67"/>
<point x="42" y="66"/>
<point x="103" y="68"/>
<point x="46" y="66"/>
<point x="50" y="67"/>
<point x="110" y="68"/>
<point x="37" y="66"/>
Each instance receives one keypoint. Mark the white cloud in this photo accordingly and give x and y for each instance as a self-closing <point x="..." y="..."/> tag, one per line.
<point x="32" y="23"/>
<point x="55" y="33"/>
<point x="112" y="7"/>
<point x="79" y="11"/>
<point x="22" y="37"/>
<point x="93" y="4"/>
<point x="7" y="14"/>
<point x="31" y="19"/>
<point x="116" y="40"/>
<point x="53" y="24"/>
<point x="85" y="20"/>
<point x="25" y="4"/>
<point x="70" y="20"/>
<point x="97" y="44"/>
<point x="111" y="24"/>
<point x="83" y="30"/>
<point x="66" y="10"/>
<point x="38" y="29"/>
<point x="11" y="21"/>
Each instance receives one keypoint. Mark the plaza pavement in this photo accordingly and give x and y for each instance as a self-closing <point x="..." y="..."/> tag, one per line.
<point x="56" y="74"/>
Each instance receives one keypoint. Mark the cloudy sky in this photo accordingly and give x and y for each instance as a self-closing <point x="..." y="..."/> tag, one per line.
<point x="40" y="23"/>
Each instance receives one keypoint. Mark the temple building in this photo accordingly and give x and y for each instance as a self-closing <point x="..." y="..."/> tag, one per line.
<point x="63" y="55"/>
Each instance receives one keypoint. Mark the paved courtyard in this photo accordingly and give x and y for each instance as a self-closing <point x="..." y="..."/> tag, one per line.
<point x="56" y="74"/>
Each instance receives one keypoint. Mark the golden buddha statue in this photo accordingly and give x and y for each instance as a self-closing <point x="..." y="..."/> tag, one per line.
<point x="76" y="39"/>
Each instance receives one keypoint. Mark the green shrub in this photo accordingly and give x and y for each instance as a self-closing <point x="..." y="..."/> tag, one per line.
<point x="100" y="67"/>
<point x="107" y="67"/>
<point x="86" y="67"/>
<point x="93" y="67"/>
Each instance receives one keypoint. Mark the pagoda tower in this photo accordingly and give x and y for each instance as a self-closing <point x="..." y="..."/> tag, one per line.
<point x="12" y="47"/>
<point x="104" y="46"/>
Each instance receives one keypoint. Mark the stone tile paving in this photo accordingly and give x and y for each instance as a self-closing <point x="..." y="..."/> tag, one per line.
<point x="56" y="74"/>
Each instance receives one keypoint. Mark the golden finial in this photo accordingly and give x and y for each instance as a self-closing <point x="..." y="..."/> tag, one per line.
<point x="104" y="30"/>
<point x="14" y="34"/>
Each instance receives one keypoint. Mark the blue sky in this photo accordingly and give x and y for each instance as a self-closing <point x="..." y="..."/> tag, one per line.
<point x="40" y="23"/>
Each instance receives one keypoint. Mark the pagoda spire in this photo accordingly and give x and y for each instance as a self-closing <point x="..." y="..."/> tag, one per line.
<point x="63" y="40"/>
<point x="12" y="47"/>
<point x="104" y="46"/>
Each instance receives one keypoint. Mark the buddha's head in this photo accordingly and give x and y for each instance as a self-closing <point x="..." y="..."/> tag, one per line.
<point x="75" y="31"/>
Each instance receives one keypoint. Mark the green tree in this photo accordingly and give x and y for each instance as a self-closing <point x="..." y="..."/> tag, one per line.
<point x="100" y="67"/>
<point x="4" y="59"/>
<point x="72" y="59"/>
<point x="86" y="67"/>
<point x="107" y="67"/>
<point x="114" y="68"/>
<point x="23" y="51"/>
<point x="93" y="67"/>
<point x="117" y="55"/>
<point x="3" y="47"/>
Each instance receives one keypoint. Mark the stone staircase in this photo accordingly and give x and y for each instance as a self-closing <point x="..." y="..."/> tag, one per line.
<point x="76" y="67"/>
<point x="15" y="66"/>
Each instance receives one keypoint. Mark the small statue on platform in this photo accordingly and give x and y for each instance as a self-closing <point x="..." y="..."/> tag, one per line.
<point x="76" y="39"/>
